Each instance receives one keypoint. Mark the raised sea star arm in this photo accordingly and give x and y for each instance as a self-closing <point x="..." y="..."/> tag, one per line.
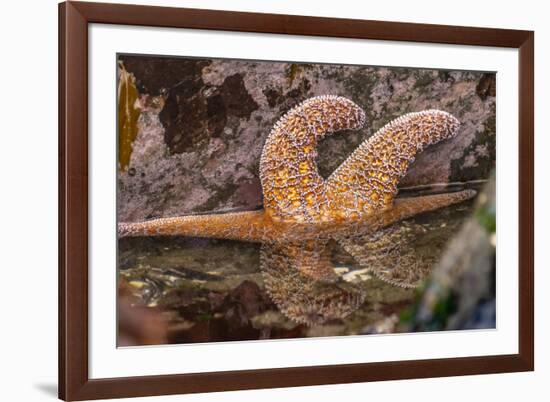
<point x="367" y="180"/>
<point x="292" y="187"/>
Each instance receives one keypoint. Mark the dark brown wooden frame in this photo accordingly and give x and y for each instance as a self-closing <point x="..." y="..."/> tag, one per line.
<point x="74" y="17"/>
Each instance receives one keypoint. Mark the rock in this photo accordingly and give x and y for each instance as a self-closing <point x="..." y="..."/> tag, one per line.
<point x="137" y="324"/>
<point x="248" y="298"/>
<point x="487" y="86"/>
<point x="199" y="141"/>
<point x="461" y="292"/>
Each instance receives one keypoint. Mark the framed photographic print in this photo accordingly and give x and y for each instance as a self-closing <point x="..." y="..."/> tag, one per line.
<point x="260" y="200"/>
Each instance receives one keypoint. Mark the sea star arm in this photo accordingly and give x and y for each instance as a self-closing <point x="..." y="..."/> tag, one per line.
<point x="408" y="207"/>
<point x="246" y="226"/>
<point x="292" y="187"/>
<point x="367" y="181"/>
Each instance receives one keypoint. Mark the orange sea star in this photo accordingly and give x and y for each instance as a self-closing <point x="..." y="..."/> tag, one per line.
<point x="303" y="212"/>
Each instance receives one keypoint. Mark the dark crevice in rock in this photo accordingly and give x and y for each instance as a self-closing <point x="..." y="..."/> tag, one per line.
<point x="487" y="86"/>
<point x="236" y="99"/>
<point x="273" y="96"/>
<point x="193" y="112"/>
<point x="155" y="75"/>
<point x="192" y="116"/>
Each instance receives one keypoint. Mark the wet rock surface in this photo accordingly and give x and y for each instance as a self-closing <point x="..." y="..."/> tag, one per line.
<point x="198" y="148"/>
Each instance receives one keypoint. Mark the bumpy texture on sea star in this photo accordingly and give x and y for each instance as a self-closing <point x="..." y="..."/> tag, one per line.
<point x="303" y="212"/>
<point x="292" y="187"/>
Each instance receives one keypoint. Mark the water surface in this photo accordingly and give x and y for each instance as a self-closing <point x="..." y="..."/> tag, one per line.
<point x="213" y="290"/>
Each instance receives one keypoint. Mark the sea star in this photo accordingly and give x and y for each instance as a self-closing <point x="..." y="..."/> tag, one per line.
<point x="303" y="212"/>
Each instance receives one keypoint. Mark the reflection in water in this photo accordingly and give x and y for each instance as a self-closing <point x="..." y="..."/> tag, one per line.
<point x="298" y="295"/>
<point x="213" y="290"/>
<point x="300" y="276"/>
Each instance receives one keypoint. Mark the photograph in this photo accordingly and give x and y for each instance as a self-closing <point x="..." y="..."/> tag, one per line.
<point x="275" y="200"/>
<point x="261" y="200"/>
